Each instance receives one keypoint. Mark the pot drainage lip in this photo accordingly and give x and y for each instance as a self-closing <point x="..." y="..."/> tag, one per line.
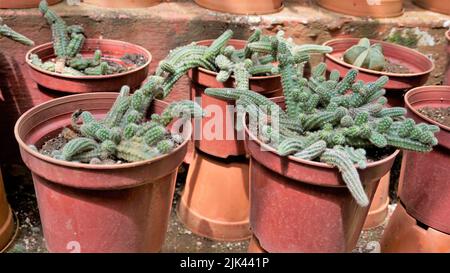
<point x="14" y="236"/>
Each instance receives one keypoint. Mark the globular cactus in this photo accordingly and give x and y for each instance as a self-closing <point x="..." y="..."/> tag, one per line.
<point x="366" y="55"/>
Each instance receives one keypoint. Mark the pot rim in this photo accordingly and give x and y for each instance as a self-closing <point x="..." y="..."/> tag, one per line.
<point x="206" y="71"/>
<point x="268" y="148"/>
<point x="370" y="71"/>
<point x="424" y="89"/>
<point x="103" y="77"/>
<point x="63" y="100"/>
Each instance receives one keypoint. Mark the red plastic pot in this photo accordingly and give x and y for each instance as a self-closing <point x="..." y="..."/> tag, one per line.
<point x="123" y="3"/>
<point x="447" y="71"/>
<point x="24" y="4"/>
<point x="404" y="234"/>
<point x="243" y="6"/>
<point x="97" y="208"/>
<point x="419" y="65"/>
<point x="425" y="190"/>
<point x="304" y="206"/>
<point x="378" y="9"/>
<point x="111" y="49"/>
<point x="228" y="145"/>
<point x="6" y="219"/>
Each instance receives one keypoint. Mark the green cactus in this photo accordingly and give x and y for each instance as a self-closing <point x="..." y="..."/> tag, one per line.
<point x="77" y="146"/>
<point x="7" y="32"/>
<point x="313" y="151"/>
<point x="345" y="117"/>
<point x="349" y="173"/>
<point x="366" y="55"/>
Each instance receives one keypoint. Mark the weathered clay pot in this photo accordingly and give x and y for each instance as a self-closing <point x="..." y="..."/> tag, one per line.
<point x="24" y="4"/>
<point x="242" y="6"/>
<point x="379" y="208"/>
<point x="441" y="6"/>
<point x="304" y="206"/>
<point x="425" y="185"/>
<point x="97" y="208"/>
<point x="447" y="71"/>
<point x="123" y="3"/>
<point x="215" y="202"/>
<point x="228" y="145"/>
<point x="404" y="234"/>
<point x="112" y="50"/>
<point x="369" y="8"/>
<point x="6" y="219"/>
<point x="419" y="65"/>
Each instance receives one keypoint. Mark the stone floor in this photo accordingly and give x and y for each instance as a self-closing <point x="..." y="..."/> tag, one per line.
<point x="29" y="239"/>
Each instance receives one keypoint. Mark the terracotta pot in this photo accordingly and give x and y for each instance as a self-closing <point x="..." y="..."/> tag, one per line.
<point x="404" y="234"/>
<point x="419" y="65"/>
<point x="123" y="3"/>
<point x="97" y="208"/>
<point x="425" y="188"/>
<point x="242" y="6"/>
<point x="447" y="71"/>
<point x="214" y="203"/>
<point x="441" y="6"/>
<point x="379" y="208"/>
<point x="304" y="206"/>
<point x="111" y="49"/>
<point x="201" y="79"/>
<point x="24" y="4"/>
<point x="363" y="8"/>
<point x="6" y="219"/>
<point x="254" y="246"/>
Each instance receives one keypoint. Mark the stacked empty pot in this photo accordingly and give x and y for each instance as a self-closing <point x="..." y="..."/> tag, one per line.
<point x="421" y="222"/>
<point x="419" y="67"/>
<point x="215" y="200"/>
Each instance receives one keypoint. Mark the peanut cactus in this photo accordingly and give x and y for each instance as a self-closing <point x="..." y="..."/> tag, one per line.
<point x="332" y="125"/>
<point x="365" y="55"/>
<point x="6" y="31"/>
<point x="124" y="134"/>
<point x="67" y="44"/>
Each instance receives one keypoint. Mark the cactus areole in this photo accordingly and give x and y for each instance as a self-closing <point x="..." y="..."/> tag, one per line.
<point x="74" y="192"/>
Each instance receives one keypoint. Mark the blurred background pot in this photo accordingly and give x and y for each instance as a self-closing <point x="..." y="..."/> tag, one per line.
<point x="242" y="6"/>
<point x="441" y="6"/>
<point x="24" y="4"/>
<point x="369" y="8"/>
<point x="123" y="3"/>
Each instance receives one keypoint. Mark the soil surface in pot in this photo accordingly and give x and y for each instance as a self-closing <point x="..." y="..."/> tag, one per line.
<point x="438" y="114"/>
<point x="391" y="67"/>
<point x="57" y="143"/>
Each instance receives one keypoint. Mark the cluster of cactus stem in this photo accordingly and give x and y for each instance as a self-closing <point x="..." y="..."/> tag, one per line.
<point x="257" y="58"/>
<point x="332" y="120"/>
<point x="67" y="44"/>
<point x="125" y="134"/>
<point x="366" y="55"/>
<point x="6" y="31"/>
